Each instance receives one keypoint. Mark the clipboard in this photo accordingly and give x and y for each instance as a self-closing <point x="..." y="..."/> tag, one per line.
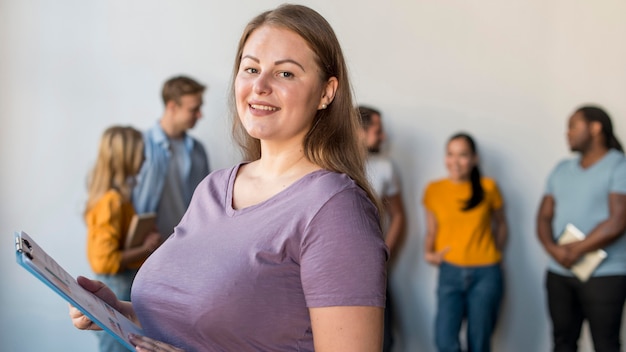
<point x="36" y="261"/>
<point x="586" y="265"/>
<point x="140" y="226"/>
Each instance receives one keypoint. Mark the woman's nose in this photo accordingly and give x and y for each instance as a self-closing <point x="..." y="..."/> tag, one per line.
<point x="262" y="84"/>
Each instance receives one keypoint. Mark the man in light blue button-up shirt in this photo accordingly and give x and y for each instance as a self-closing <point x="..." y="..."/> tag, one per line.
<point x="174" y="162"/>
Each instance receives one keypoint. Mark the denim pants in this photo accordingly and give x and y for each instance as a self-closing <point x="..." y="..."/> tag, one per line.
<point x="473" y="293"/>
<point x="120" y="284"/>
<point x="600" y="301"/>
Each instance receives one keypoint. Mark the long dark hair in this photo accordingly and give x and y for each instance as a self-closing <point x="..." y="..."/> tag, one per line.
<point x="597" y="114"/>
<point x="478" y="193"/>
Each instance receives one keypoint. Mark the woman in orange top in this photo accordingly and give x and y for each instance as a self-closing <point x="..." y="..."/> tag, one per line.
<point x="466" y="231"/>
<point x="108" y="213"/>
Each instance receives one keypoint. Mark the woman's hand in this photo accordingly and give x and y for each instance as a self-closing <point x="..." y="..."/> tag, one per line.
<point x="99" y="289"/>
<point x="435" y="258"/>
<point x="146" y="344"/>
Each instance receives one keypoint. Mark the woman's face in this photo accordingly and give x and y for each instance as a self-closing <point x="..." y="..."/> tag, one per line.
<point x="278" y="88"/>
<point x="459" y="159"/>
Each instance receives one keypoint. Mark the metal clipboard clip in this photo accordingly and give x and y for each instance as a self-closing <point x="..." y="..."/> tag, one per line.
<point x="23" y="246"/>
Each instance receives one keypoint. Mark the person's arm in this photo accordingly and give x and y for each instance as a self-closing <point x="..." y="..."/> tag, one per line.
<point x="432" y="257"/>
<point x="82" y="322"/>
<point x="562" y="254"/>
<point x="606" y="232"/>
<point x="500" y="228"/>
<point x="347" y="329"/>
<point x="397" y="223"/>
<point x="135" y="254"/>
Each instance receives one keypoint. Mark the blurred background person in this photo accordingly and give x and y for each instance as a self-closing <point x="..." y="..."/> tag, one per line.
<point x="466" y="231"/>
<point x="175" y="162"/>
<point x="385" y="182"/>
<point x="589" y="192"/>
<point x="108" y="213"/>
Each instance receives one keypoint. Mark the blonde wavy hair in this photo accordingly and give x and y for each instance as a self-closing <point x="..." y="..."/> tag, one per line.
<point x="120" y="156"/>
<point x="332" y="142"/>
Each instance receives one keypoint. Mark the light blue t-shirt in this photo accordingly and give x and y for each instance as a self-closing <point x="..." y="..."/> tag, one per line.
<point x="582" y="198"/>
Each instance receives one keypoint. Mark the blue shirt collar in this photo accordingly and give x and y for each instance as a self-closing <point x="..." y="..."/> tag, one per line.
<point x="160" y="138"/>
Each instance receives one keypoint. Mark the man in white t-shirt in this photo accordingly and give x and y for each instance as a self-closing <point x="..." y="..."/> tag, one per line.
<point x="385" y="183"/>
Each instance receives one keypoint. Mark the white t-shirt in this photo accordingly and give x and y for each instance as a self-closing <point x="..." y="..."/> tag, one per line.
<point x="382" y="176"/>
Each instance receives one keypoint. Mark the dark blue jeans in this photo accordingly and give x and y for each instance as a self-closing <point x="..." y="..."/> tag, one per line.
<point x="472" y="293"/>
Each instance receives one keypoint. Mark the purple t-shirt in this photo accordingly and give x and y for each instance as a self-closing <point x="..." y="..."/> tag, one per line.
<point x="242" y="280"/>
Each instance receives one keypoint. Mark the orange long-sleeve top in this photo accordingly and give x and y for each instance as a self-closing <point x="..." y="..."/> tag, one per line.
<point x="107" y="225"/>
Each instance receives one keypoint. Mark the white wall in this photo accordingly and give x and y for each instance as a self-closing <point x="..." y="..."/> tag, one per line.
<point x="510" y="73"/>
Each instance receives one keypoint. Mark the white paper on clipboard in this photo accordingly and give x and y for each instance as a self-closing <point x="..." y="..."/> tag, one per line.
<point x="35" y="260"/>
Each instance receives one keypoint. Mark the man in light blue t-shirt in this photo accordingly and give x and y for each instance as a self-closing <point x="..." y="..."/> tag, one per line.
<point x="589" y="192"/>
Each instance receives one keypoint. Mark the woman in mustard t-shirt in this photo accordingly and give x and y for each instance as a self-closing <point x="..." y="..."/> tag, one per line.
<point x="466" y="231"/>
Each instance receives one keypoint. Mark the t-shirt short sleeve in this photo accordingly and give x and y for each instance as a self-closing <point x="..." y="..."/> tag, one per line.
<point x="343" y="255"/>
<point x="552" y="179"/>
<point x="393" y="187"/>
<point x="427" y="198"/>
<point x="618" y="178"/>
<point x="496" y="197"/>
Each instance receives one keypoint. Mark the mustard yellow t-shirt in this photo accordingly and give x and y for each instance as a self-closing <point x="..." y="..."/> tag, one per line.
<point x="468" y="234"/>
<point x="107" y="224"/>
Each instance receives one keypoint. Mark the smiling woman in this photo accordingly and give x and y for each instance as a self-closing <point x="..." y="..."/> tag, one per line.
<point x="283" y="251"/>
<point x="466" y="231"/>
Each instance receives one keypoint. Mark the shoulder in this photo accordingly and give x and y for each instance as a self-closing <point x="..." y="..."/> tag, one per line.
<point x="437" y="184"/>
<point x="324" y="191"/>
<point x="109" y="201"/>
<point x="112" y="196"/>
<point x="196" y="144"/>
<point x="326" y="184"/>
<point x="220" y="176"/>
<point x="616" y="158"/>
<point x="380" y="164"/>
<point x="153" y="137"/>
<point x="565" y="164"/>
<point x="154" y="133"/>
<point x="488" y="183"/>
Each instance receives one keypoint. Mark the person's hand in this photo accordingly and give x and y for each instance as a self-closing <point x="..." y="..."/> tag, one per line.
<point x="81" y="321"/>
<point x="146" y="344"/>
<point x="152" y="242"/>
<point x="566" y="254"/>
<point x="435" y="258"/>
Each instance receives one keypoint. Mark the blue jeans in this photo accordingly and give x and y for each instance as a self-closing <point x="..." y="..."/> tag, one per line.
<point x="474" y="293"/>
<point x="120" y="284"/>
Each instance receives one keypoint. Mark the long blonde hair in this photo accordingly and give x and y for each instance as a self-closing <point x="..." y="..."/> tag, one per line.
<point x="332" y="141"/>
<point x="120" y="156"/>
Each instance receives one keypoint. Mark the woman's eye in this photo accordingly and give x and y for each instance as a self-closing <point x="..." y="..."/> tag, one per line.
<point x="286" y="74"/>
<point x="251" y="70"/>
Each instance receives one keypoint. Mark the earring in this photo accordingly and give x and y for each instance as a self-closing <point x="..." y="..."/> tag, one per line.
<point x="324" y="106"/>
